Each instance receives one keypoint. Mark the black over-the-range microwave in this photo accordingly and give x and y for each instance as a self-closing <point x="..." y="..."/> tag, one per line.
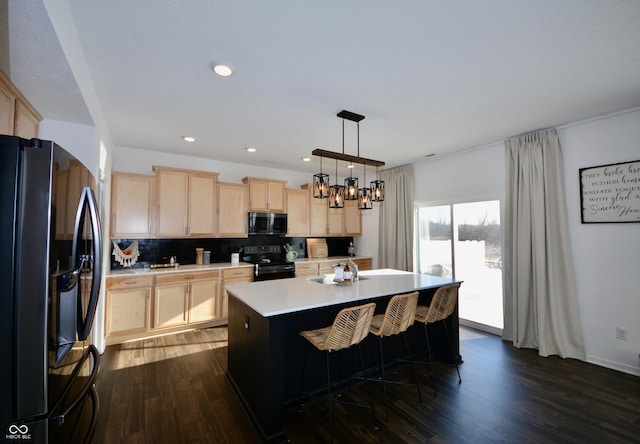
<point x="267" y="223"/>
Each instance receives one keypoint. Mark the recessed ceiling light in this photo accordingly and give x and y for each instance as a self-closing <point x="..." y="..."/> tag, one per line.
<point x="306" y="159"/>
<point x="350" y="166"/>
<point x="189" y="139"/>
<point x="222" y="70"/>
<point x="251" y="149"/>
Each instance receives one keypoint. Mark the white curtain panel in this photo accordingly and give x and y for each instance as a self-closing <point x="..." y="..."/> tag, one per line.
<point x="396" y="219"/>
<point x="540" y="302"/>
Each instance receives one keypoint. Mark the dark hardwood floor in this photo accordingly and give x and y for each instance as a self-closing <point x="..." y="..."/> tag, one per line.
<point x="172" y="389"/>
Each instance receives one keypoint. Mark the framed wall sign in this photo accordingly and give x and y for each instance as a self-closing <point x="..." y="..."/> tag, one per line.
<point x="610" y="193"/>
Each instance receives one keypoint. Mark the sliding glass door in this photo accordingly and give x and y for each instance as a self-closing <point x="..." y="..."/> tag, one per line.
<point x="463" y="241"/>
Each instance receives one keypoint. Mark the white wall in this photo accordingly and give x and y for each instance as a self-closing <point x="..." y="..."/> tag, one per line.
<point x="134" y="160"/>
<point x="79" y="140"/>
<point x="606" y="256"/>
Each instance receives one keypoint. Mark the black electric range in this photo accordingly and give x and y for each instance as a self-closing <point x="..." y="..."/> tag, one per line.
<point x="268" y="262"/>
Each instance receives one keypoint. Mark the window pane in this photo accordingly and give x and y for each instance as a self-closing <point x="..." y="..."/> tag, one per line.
<point x="434" y="247"/>
<point x="478" y="257"/>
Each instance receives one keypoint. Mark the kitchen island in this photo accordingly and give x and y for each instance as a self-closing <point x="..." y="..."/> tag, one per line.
<point x="265" y="350"/>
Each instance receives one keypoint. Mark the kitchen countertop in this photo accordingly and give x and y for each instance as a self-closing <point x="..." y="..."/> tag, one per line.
<point x="178" y="269"/>
<point x="329" y="259"/>
<point x="217" y="266"/>
<point x="283" y="296"/>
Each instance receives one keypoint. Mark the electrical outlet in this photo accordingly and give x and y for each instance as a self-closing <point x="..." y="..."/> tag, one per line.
<point x="621" y="333"/>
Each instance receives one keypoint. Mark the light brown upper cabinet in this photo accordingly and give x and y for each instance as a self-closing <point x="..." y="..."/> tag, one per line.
<point x="266" y="194"/>
<point x="297" y="213"/>
<point x="132" y="205"/>
<point x="68" y="184"/>
<point x="232" y="209"/>
<point x="352" y="219"/>
<point x="17" y="116"/>
<point x="335" y="221"/>
<point x="185" y="203"/>
<point x="325" y="221"/>
<point x="318" y="212"/>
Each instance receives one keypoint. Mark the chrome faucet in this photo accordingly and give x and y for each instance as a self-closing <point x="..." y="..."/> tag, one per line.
<point x="354" y="270"/>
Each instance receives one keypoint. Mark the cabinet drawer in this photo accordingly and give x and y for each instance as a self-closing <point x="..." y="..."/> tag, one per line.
<point x="120" y="283"/>
<point x="237" y="272"/>
<point x="364" y="264"/>
<point x="307" y="269"/>
<point x="186" y="277"/>
<point x="326" y="267"/>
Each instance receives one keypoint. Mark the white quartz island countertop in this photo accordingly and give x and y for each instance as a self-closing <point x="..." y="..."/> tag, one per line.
<point x="283" y="296"/>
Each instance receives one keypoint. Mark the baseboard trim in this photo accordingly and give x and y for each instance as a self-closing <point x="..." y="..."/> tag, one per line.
<point x="613" y="365"/>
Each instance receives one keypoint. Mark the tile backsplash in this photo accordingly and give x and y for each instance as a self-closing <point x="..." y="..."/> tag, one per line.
<point x="153" y="251"/>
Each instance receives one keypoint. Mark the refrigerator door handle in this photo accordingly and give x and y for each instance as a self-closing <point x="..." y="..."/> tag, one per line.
<point x="92" y="352"/>
<point x="69" y="280"/>
<point x="88" y="202"/>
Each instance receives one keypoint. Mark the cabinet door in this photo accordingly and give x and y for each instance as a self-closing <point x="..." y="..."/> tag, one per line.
<point x="335" y="225"/>
<point x="7" y="109"/>
<point x="132" y="199"/>
<point x="202" y="205"/>
<point x="224" y="302"/>
<point x="127" y="311"/>
<point x="170" y="308"/>
<point x="276" y="197"/>
<point x="318" y="216"/>
<point x="78" y="178"/>
<point x="172" y="188"/>
<point x="232" y="276"/>
<point x="203" y="300"/>
<point x="232" y="212"/>
<point x="352" y="219"/>
<point x="258" y="195"/>
<point x="26" y="124"/>
<point x="298" y="213"/>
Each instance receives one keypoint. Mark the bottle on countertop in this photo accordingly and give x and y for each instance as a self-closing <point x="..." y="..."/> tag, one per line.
<point x="347" y="273"/>
<point x="351" y="250"/>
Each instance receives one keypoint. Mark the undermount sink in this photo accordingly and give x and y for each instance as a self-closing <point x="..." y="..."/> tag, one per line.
<point x="328" y="279"/>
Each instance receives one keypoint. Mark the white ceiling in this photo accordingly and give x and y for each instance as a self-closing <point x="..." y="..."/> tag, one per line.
<point x="430" y="76"/>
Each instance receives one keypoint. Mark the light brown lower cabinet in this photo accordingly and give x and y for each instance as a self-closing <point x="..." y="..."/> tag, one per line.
<point x="322" y="267"/>
<point x="170" y="305"/>
<point x="128" y="306"/>
<point x="204" y="298"/>
<point x="233" y="276"/>
<point x="306" y="269"/>
<point x="138" y="307"/>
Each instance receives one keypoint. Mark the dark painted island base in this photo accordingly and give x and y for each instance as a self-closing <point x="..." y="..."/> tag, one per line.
<point x="266" y="357"/>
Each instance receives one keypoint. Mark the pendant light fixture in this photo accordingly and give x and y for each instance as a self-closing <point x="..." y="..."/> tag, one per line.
<point x="351" y="183"/>
<point x="377" y="189"/>
<point x="350" y="191"/>
<point x="364" y="194"/>
<point x="321" y="184"/>
<point x="336" y="193"/>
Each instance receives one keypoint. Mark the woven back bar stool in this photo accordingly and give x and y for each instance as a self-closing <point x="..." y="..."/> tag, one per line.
<point x="349" y="328"/>
<point x="398" y="317"/>
<point x="441" y="307"/>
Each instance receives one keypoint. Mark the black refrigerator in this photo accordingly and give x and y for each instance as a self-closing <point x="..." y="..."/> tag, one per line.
<point x="50" y="273"/>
